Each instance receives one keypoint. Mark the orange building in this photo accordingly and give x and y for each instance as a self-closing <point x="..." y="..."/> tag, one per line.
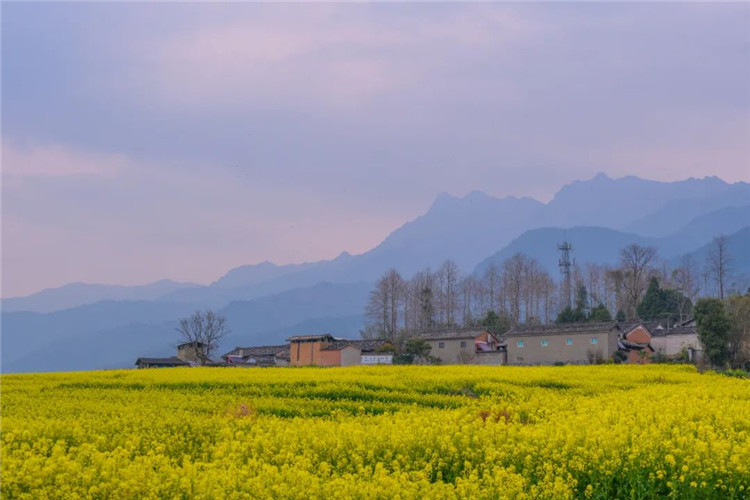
<point x="637" y="342"/>
<point x="323" y="350"/>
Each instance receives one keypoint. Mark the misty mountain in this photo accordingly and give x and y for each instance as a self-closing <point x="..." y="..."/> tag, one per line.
<point x="265" y="303"/>
<point x="25" y="332"/>
<point x="467" y="229"/>
<point x="113" y="334"/>
<point x="623" y="203"/>
<point x="77" y="294"/>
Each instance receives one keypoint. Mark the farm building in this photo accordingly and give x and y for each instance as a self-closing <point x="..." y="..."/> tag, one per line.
<point x="327" y="350"/>
<point x="461" y="346"/>
<point x="172" y="362"/>
<point x="258" y="356"/>
<point x="565" y="343"/>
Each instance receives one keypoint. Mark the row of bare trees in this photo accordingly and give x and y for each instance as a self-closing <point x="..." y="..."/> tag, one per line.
<point x="520" y="290"/>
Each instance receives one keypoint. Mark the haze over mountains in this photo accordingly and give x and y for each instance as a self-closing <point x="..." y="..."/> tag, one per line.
<point x="102" y="326"/>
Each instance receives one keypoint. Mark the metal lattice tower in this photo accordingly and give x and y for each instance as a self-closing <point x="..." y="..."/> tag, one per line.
<point x="565" y="264"/>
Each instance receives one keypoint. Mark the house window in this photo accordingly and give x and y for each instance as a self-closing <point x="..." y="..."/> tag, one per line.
<point x="441" y="345"/>
<point x="519" y="343"/>
<point x="594" y="340"/>
<point x="463" y="343"/>
<point x="568" y="341"/>
<point x="544" y="343"/>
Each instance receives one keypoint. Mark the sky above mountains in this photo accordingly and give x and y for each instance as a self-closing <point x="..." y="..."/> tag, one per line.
<point x="143" y="141"/>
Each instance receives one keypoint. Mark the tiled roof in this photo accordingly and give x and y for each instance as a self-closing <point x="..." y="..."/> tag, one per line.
<point x="675" y="330"/>
<point x="174" y="360"/>
<point x="565" y="328"/>
<point x="285" y="354"/>
<point x="297" y="338"/>
<point x="456" y="333"/>
<point x="362" y="345"/>
<point x="264" y="350"/>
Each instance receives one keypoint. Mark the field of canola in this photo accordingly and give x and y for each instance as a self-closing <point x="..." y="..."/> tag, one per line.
<point x="376" y="432"/>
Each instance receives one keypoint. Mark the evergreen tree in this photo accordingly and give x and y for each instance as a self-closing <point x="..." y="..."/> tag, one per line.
<point x="600" y="314"/>
<point x="496" y="322"/>
<point x="659" y="303"/>
<point x="713" y="330"/>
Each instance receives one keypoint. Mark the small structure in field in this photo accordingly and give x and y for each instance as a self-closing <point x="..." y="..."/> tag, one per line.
<point x="171" y="362"/>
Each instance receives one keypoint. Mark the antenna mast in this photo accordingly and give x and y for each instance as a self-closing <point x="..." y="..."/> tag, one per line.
<point x="565" y="264"/>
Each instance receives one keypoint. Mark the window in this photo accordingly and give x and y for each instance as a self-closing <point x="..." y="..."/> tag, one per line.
<point x="568" y="341"/>
<point x="441" y="345"/>
<point x="594" y="340"/>
<point x="519" y="343"/>
<point x="544" y="343"/>
<point x="463" y="343"/>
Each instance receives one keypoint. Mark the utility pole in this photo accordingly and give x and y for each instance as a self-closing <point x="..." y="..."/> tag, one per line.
<point x="565" y="264"/>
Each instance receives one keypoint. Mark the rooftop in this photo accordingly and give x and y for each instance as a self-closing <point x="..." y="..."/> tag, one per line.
<point x="362" y="345"/>
<point x="264" y="350"/>
<point x="566" y="328"/>
<point x="453" y="333"/>
<point x="309" y="338"/>
<point x="174" y="360"/>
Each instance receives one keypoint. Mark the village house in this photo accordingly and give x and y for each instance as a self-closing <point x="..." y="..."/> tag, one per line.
<point x="635" y="342"/>
<point x="274" y="355"/>
<point x="327" y="350"/>
<point x="670" y="341"/>
<point x="191" y="351"/>
<point x="171" y="362"/>
<point x="576" y="343"/>
<point x="187" y="355"/>
<point x="465" y="346"/>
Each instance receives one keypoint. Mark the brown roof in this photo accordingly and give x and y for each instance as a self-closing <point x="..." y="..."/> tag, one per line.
<point x="455" y="333"/>
<point x="564" y="328"/>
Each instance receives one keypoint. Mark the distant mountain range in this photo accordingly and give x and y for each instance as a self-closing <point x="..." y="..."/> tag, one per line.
<point x="265" y="302"/>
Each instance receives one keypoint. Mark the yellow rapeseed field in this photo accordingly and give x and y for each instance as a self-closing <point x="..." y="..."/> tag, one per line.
<point x="376" y="432"/>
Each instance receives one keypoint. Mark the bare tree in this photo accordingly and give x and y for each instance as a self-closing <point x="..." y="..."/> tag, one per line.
<point x="386" y="305"/>
<point x="636" y="266"/>
<point x="447" y="279"/>
<point x="491" y="286"/>
<point x="685" y="279"/>
<point x="513" y="274"/>
<point x="205" y="329"/>
<point x="718" y="263"/>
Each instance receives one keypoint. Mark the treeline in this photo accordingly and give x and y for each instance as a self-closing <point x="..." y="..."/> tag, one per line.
<point x="520" y="290"/>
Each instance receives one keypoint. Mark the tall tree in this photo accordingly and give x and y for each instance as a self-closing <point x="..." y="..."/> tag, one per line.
<point x="636" y="265"/>
<point x="513" y="279"/>
<point x="687" y="281"/>
<point x="448" y="278"/>
<point x="385" y="307"/>
<point x="713" y="330"/>
<point x="718" y="263"/>
<point x="205" y="329"/>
